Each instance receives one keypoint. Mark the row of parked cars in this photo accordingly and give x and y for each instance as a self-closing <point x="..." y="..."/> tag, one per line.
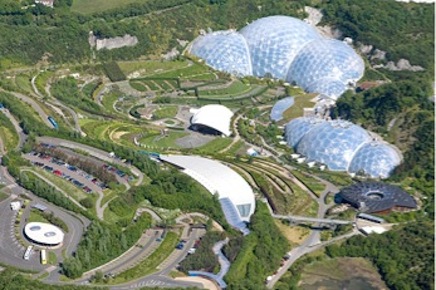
<point x="118" y="172"/>
<point x="64" y="174"/>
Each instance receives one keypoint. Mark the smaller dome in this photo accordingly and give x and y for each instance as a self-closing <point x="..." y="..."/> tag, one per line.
<point x="333" y="143"/>
<point x="216" y="117"/>
<point x="297" y="128"/>
<point x="375" y="159"/>
<point x="224" y="51"/>
<point x="44" y="233"/>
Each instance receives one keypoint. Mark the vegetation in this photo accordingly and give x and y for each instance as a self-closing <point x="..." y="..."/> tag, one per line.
<point x="261" y="252"/>
<point x="102" y="243"/>
<point x="404" y="256"/>
<point x="149" y="265"/>
<point x="113" y="72"/>
<point x="204" y="258"/>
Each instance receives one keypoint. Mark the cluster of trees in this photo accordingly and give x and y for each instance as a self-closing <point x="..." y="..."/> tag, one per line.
<point x="55" y="220"/>
<point x="113" y="72"/>
<point x="67" y="90"/>
<point x="404" y="256"/>
<point x="204" y="258"/>
<point x="84" y="164"/>
<point x="102" y="243"/>
<point x="172" y="189"/>
<point x="260" y="254"/>
<point x="403" y="32"/>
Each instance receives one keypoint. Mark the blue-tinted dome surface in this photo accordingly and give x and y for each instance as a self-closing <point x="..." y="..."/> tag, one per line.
<point x="225" y="51"/>
<point x="274" y="42"/>
<point x="323" y="62"/>
<point x="297" y="128"/>
<point x="333" y="143"/>
<point x="341" y="145"/>
<point x="375" y="159"/>
<point x="285" y="48"/>
<point x="280" y="107"/>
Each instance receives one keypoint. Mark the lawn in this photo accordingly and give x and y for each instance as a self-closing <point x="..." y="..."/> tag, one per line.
<point x="150" y="264"/>
<point x="35" y="216"/>
<point x="23" y="81"/>
<point x="8" y="135"/>
<point x="157" y="140"/>
<point x="236" y="88"/>
<point x="3" y="195"/>
<point x="165" y="112"/>
<point x="150" y="67"/>
<point x="297" y="110"/>
<point x="137" y="85"/>
<point x="188" y="72"/>
<point x="93" y="6"/>
<point x="313" y="184"/>
<point x="52" y="258"/>
<point x="215" y="145"/>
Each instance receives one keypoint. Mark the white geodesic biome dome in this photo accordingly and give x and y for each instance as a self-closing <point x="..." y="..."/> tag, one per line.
<point x="341" y="146"/>
<point x="285" y="48"/>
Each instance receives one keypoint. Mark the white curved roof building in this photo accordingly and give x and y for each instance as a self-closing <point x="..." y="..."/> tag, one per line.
<point x="216" y="117"/>
<point x="235" y="195"/>
<point x="44" y="234"/>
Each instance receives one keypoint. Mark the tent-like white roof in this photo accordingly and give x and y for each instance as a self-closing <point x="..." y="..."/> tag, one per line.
<point x="214" y="116"/>
<point x="43" y="233"/>
<point x="219" y="179"/>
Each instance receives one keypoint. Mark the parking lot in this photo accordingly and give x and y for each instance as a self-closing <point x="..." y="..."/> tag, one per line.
<point x="79" y="178"/>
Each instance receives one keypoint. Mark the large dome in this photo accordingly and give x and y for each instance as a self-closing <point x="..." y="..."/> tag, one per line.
<point x="375" y="159"/>
<point x="286" y="48"/>
<point x="274" y="43"/>
<point x="323" y="62"/>
<point x="333" y="143"/>
<point x="224" y="51"/>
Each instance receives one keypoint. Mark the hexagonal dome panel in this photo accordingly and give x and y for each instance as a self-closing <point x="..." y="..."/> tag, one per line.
<point x="274" y="42"/>
<point x="297" y="128"/>
<point x="376" y="159"/>
<point x="324" y="61"/>
<point x="224" y="51"/>
<point x="333" y="143"/>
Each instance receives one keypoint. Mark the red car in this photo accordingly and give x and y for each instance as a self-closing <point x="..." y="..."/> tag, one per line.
<point x="58" y="172"/>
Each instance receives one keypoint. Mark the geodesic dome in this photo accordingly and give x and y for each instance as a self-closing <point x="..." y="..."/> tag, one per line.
<point x="375" y="159"/>
<point x="333" y="143"/>
<point x="341" y="145"/>
<point x="324" y="62"/>
<point x="297" y="128"/>
<point x="274" y="42"/>
<point x="286" y="48"/>
<point x="224" y="51"/>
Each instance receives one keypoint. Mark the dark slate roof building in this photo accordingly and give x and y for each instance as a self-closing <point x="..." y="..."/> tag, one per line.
<point x="377" y="197"/>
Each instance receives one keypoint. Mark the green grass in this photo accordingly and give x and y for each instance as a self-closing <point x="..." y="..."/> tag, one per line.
<point x="215" y="145"/>
<point x="109" y="100"/>
<point x="3" y="195"/>
<point x="165" y="112"/>
<point x="193" y="71"/>
<point x="297" y="110"/>
<point x="66" y="186"/>
<point x="52" y="258"/>
<point x="93" y="6"/>
<point x="156" y="140"/>
<point x="150" y="264"/>
<point x="138" y="86"/>
<point x="35" y="216"/>
<point x="237" y="148"/>
<point x="23" y="81"/>
<point x="152" y="85"/>
<point x="236" y="88"/>
<point x="313" y="184"/>
<point x="8" y="135"/>
<point x="149" y="67"/>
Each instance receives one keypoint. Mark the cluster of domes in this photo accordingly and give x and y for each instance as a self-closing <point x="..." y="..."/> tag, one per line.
<point x="341" y="146"/>
<point x="285" y="48"/>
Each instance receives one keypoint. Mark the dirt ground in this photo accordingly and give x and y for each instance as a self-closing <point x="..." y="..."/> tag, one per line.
<point x="294" y="234"/>
<point x="341" y="273"/>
